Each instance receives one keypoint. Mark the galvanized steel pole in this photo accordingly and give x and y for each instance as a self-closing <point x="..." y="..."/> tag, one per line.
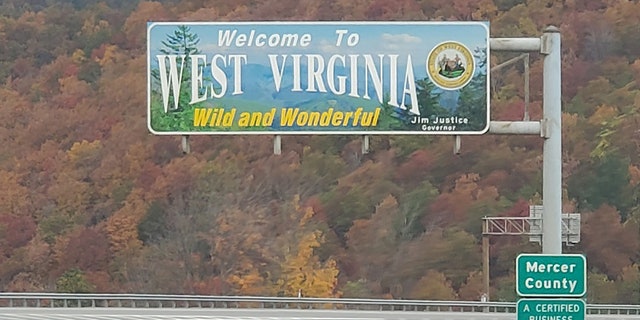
<point x="549" y="128"/>
<point x="552" y="149"/>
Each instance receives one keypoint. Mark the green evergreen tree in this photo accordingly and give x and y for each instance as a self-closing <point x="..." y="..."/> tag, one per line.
<point x="392" y="118"/>
<point x="182" y="42"/>
<point x="428" y="99"/>
<point x="473" y="103"/>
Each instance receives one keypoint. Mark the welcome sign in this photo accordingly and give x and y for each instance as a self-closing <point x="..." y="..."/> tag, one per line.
<point x="318" y="78"/>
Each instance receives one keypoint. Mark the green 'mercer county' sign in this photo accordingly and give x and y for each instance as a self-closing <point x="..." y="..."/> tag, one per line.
<point x="540" y="275"/>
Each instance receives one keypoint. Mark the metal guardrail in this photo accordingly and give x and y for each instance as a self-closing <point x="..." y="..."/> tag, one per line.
<point x="73" y="300"/>
<point x="196" y="301"/>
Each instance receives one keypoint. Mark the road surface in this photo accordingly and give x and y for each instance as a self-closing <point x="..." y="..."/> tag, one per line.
<point x="249" y="314"/>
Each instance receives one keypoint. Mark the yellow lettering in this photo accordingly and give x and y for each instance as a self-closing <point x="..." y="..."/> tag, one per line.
<point x="347" y="116"/>
<point x="256" y="118"/>
<point x="376" y="115"/>
<point x="267" y="121"/>
<point x="303" y="117"/>
<point x="314" y="118"/>
<point x="357" y="116"/>
<point x="337" y="118"/>
<point x="217" y="116"/>
<point x="366" y="118"/>
<point x="227" y="118"/>
<point x="288" y="116"/>
<point x="201" y="116"/>
<point x="326" y="117"/>
<point x="244" y="119"/>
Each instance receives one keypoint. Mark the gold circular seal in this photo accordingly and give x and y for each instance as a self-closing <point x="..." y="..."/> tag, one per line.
<point x="450" y="65"/>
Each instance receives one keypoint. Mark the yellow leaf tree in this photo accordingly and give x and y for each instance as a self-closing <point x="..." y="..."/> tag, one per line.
<point x="303" y="273"/>
<point x="122" y="226"/>
<point x="433" y="286"/>
<point x="473" y="288"/>
<point x="251" y="283"/>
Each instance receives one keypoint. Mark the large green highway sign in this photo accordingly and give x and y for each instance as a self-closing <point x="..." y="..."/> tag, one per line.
<point x="551" y="309"/>
<point x="539" y="275"/>
<point x="362" y="78"/>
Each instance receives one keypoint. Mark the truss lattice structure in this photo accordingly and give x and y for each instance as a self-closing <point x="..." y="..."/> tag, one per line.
<point x="532" y="226"/>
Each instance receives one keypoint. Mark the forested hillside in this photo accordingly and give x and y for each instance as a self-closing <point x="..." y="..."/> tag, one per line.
<point x="90" y="201"/>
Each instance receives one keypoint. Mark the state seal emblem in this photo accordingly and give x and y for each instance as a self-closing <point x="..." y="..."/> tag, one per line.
<point x="450" y="65"/>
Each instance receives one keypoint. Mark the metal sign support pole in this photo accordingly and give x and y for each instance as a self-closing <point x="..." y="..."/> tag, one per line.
<point x="186" y="147"/>
<point x="549" y="128"/>
<point x="365" y="144"/>
<point x="552" y="157"/>
<point x="277" y="145"/>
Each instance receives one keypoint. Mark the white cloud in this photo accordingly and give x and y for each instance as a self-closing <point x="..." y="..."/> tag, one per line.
<point x="403" y="41"/>
<point x="329" y="47"/>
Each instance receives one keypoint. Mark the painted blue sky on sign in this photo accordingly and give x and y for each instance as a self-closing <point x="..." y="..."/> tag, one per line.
<point x="416" y="39"/>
